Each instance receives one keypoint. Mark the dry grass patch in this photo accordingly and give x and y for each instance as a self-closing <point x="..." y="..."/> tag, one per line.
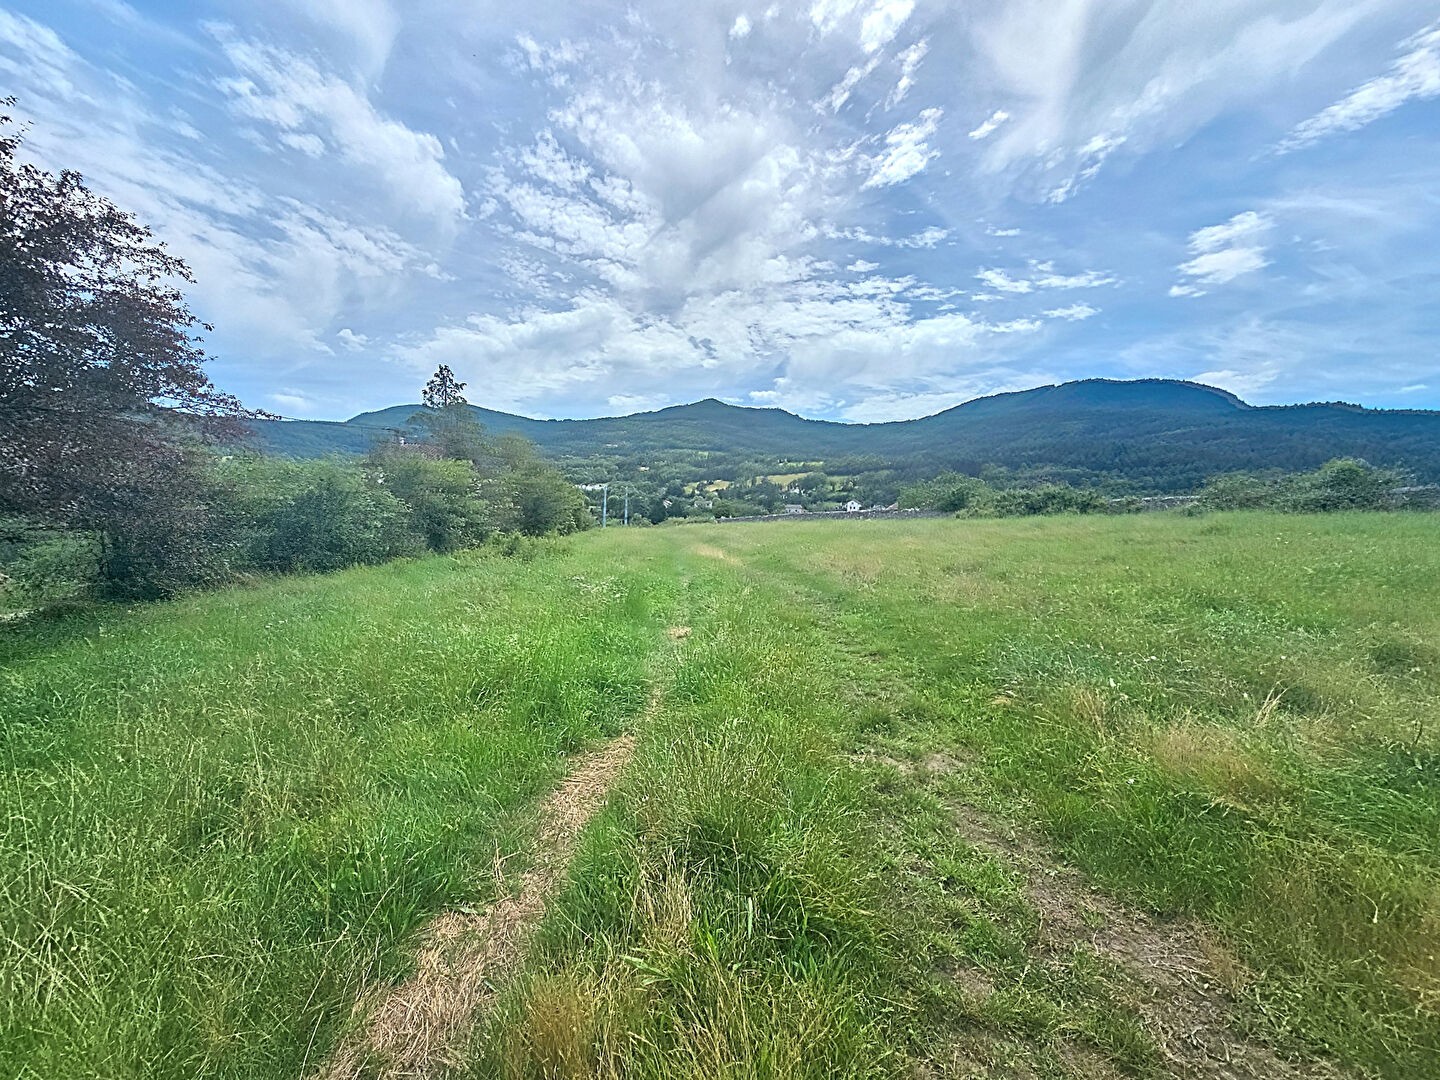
<point x="1214" y="759"/>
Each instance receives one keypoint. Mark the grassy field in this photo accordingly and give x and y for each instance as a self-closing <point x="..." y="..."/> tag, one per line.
<point x="936" y="798"/>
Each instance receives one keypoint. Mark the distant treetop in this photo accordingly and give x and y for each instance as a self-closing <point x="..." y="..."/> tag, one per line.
<point x="443" y="389"/>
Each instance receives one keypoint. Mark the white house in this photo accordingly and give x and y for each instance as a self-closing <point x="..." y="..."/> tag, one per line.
<point x="794" y="508"/>
<point x="853" y="507"/>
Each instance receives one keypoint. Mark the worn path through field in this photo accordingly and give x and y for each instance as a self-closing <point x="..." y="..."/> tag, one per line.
<point x="419" y="1027"/>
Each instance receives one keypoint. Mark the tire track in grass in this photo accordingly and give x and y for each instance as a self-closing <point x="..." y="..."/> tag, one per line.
<point x="418" y="1028"/>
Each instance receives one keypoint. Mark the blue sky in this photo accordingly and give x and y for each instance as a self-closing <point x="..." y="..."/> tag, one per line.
<point x="852" y="209"/>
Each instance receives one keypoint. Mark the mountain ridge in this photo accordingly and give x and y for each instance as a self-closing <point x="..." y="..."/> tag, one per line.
<point x="1141" y="434"/>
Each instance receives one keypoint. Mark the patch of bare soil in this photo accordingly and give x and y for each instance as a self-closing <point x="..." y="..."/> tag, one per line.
<point x="1182" y="975"/>
<point x="678" y="633"/>
<point x="416" y="1028"/>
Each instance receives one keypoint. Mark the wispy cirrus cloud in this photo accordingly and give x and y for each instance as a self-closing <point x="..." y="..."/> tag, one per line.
<point x="1415" y="76"/>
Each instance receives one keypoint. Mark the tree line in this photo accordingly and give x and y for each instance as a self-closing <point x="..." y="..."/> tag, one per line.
<point x="1341" y="484"/>
<point x="117" y="476"/>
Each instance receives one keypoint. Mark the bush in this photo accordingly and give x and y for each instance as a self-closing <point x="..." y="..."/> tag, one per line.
<point x="338" y="518"/>
<point x="1047" y="499"/>
<point x="950" y="492"/>
<point x="41" y="566"/>
<point x="1342" y="484"/>
<point x="442" y="497"/>
<point x="1239" y="491"/>
<point x="536" y="500"/>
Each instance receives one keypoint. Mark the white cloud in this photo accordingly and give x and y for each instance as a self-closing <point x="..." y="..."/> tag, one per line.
<point x="910" y="61"/>
<point x="860" y="266"/>
<point x="841" y="91"/>
<point x="925" y="239"/>
<point x="290" y="93"/>
<point x="883" y="22"/>
<point x="1043" y="276"/>
<point x="351" y="340"/>
<point x="991" y="125"/>
<point x="1241" y="229"/>
<point x="1082" y="78"/>
<point x="1073" y="313"/>
<point x="1225" y="252"/>
<point x="828" y="14"/>
<point x="371" y="25"/>
<point x="907" y="151"/>
<point x="1219" y="267"/>
<point x="993" y="231"/>
<point x="308" y="144"/>
<point x="1003" y="282"/>
<point x="740" y="27"/>
<point x="1413" y="77"/>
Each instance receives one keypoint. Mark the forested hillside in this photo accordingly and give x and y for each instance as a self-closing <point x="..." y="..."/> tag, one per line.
<point x="1150" y="435"/>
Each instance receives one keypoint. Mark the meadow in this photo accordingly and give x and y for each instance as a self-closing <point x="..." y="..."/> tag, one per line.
<point x="1139" y="796"/>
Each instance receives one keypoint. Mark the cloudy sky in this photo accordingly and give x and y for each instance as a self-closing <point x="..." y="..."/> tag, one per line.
<point x="853" y="209"/>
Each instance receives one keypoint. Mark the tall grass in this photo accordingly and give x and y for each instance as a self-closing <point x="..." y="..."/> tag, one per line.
<point x="228" y="813"/>
<point x="1227" y="717"/>
<point x="225" y="814"/>
<point x="726" y="918"/>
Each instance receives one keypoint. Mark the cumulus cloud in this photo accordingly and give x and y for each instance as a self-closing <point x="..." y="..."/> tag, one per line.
<point x="740" y="27"/>
<point x="1415" y="76"/>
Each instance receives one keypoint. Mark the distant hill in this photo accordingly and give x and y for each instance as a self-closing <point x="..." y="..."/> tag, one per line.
<point x="1142" y="435"/>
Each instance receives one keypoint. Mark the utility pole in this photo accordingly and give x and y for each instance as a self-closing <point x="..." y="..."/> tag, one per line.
<point x="604" y="504"/>
<point x="627" y="504"/>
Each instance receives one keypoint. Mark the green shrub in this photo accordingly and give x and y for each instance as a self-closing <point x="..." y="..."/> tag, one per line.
<point x="339" y="518"/>
<point x="1342" y="484"/>
<point x="41" y="566"/>
<point x="442" y="497"/>
<point x="1046" y="499"/>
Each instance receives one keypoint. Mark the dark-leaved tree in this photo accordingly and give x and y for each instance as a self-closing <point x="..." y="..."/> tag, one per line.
<point x="103" y="398"/>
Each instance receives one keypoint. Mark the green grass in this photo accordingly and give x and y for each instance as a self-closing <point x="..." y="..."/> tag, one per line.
<point x="228" y="813"/>
<point x="223" y="814"/>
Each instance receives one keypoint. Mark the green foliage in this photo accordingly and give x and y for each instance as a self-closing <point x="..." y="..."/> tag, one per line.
<point x="1341" y="484"/>
<point x="443" y="498"/>
<point x="41" y="565"/>
<point x="453" y="431"/>
<point x="1240" y="491"/>
<point x="949" y="492"/>
<point x="972" y="497"/>
<point x="1046" y="499"/>
<point x="536" y="500"/>
<point x="335" y="517"/>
